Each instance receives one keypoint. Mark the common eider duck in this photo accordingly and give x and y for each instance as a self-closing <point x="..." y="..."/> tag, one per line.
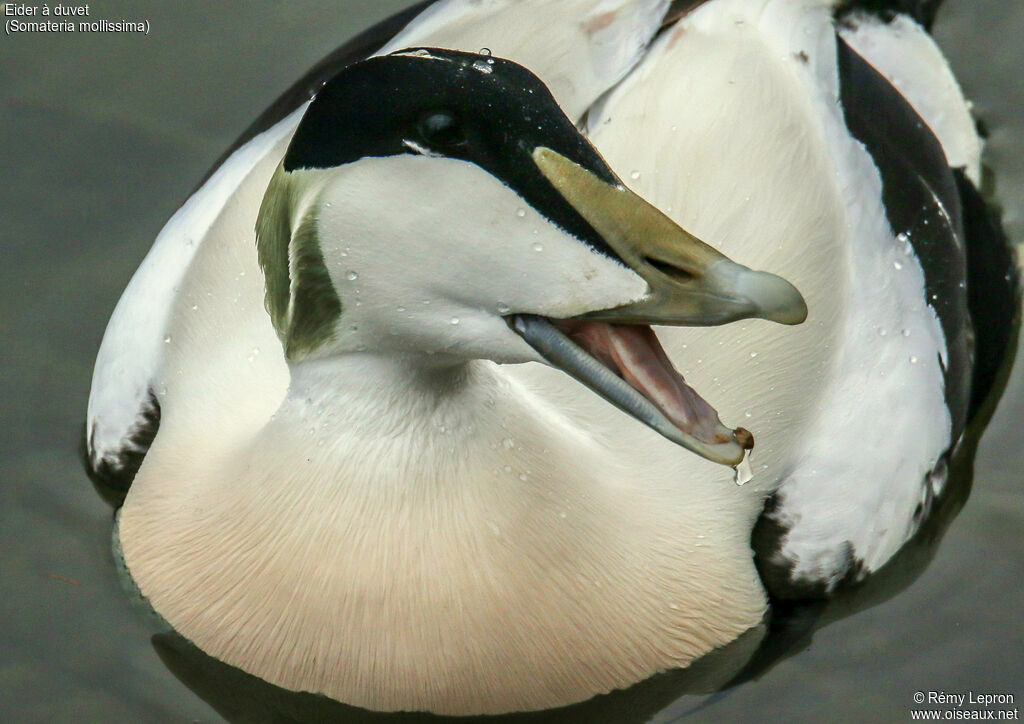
<point x="383" y="403"/>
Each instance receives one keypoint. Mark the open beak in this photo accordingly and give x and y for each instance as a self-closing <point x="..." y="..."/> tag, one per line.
<point x="614" y="352"/>
<point x="691" y="283"/>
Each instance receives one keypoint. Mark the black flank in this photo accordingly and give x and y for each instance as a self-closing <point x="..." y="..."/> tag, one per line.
<point x="993" y="289"/>
<point x="112" y="476"/>
<point x="923" y="11"/>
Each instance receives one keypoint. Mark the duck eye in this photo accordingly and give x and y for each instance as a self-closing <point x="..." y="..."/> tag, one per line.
<point x="441" y="130"/>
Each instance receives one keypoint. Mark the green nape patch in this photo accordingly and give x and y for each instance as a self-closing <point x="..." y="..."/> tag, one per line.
<point x="315" y="303"/>
<point x="273" y="237"/>
<point x="300" y="296"/>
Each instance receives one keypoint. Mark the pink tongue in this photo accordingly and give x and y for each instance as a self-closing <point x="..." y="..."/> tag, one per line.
<point x="636" y="354"/>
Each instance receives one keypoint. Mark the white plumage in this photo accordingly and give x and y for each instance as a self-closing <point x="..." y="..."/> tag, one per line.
<point x="400" y="532"/>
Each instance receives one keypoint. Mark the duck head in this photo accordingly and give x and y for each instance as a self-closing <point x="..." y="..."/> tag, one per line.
<point x="439" y="204"/>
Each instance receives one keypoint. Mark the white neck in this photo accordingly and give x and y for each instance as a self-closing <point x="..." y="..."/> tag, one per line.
<point x="408" y="535"/>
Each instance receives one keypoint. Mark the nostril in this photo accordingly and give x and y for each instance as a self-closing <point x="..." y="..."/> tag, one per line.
<point x="670" y="270"/>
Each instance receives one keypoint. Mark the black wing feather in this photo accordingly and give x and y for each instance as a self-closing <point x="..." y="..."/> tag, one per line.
<point x="922" y="203"/>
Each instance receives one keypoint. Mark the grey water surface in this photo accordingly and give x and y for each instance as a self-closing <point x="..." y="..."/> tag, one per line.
<point x="102" y="135"/>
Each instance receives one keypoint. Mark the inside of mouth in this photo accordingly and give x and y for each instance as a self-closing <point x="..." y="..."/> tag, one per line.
<point x="634" y="353"/>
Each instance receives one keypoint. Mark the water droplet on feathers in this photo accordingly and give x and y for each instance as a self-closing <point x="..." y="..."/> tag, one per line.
<point x="743" y="474"/>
